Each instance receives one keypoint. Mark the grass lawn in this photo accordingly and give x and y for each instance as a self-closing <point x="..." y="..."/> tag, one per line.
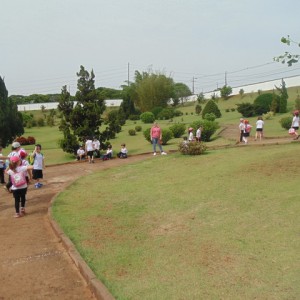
<point x="224" y="225"/>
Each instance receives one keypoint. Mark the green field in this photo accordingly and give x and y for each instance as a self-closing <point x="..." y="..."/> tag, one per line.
<point x="224" y="225"/>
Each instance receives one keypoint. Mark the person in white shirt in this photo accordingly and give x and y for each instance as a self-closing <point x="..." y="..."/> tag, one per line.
<point x="96" y="145"/>
<point x="198" y="134"/>
<point x="109" y="153"/>
<point x="89" y="150"/>
<point x="191" y="135"/>
<point x="295" y="124"/>
<point x="123" y="152"/>
<point x="259" y="128"/>
<point x="80" y="153"/>
<point x="241" y="128"/>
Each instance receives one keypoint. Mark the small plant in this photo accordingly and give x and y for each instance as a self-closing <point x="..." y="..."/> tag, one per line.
<point x="131" y="132"/>
<point x="134" y="117"/>
<point x="241" y="92"/>
<point x="210" y="117"/>
<point x="177" y="129"/>
<point x="232" y="109"/>
<point x="268" y="116"/>
<point x="227" y="110"/>
<point x="138" y="128"/>
<point x="192" y="148"/>
<point x="286" y="122"/>
<point x="40" y="122"/>
<point x="147" y="117"/>
<point x="25" y="141"/>
<point x="186" y="113"/>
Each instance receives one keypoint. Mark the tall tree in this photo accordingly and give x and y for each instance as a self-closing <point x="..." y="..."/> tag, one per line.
<point x="11" y="122"/>
<point x="151" y="90"/>
<point x="85" y="118"/>
<point x="181" y="91"/>
<point x="283" y="97"/>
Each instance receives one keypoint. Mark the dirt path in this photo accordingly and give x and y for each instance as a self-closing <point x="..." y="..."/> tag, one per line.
<point x="34" y="263"/>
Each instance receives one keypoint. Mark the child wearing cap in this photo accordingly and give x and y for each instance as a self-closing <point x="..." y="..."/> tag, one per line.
<point x="17" y="173"/>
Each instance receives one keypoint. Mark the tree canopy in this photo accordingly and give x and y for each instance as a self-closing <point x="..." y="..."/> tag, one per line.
<point x="11" y="122"/>
<point x="287" y="57"/>
<point x="85" y="118"/>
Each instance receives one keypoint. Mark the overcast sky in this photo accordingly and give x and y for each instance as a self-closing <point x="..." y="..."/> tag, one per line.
<point x="44" y="42"/>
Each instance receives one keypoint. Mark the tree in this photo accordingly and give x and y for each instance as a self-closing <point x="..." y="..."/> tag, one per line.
<point x="287" y="57"/>
<point x="11" y="121"/>
<point x="181" y="91"/>
<point x="211" y="107"/>
<point x="127" y="106"/>
<point x="85" y="118"/>
<point x="241" y="92"/>
<point x="151" y="90"/>
<point x="283" y="97"/>
<point x="225" y="91"/>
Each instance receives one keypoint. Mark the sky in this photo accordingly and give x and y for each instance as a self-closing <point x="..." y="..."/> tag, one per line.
<point x="202" y="43"/>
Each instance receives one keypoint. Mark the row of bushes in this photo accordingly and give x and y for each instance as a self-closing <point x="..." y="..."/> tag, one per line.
<point x="26" y="141"/>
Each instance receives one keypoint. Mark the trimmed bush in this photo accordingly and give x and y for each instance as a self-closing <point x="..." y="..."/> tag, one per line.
<point x="134" y="117"/>
<point x="138" y="128"/>
<point x="147" y="117"/>
<point x="156" y="110"/>
<point x="25" y="141"/>
<point x="165" y="114"/>
<point x="286" y="122"/>
<point x="208" y="128"/>
<point x="263" y="103"/>
<point x="192" y="148"/>
<point x="211" y="107"/>
<point x="210" y="116"/>
<point x="178" y="129"/>
<point x="131" y="132"/>
<point x="246" y="109"/>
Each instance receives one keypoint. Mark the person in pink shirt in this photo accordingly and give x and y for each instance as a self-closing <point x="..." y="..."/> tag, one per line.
<point x="156" y="136"/>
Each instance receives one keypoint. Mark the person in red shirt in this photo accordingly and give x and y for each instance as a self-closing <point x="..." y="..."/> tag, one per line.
<point x="156" y="136"/>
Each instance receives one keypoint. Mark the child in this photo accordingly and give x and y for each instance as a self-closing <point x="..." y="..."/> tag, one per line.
<point x="24" y="162"/>
<point x="247" y="129"/>
<point x="198" y="134"/>
<point x="108" y="154"/>
<point x="123" y="152"/>
<point x="89" y="149"/>
<point x="191" y="135"/>
<point x="80" y="154"/>
<point x="295" y="124"/>
<point x="38" y="165"/>
<point x="259" y="128"/>
<point x="19" y="184"/>
<point x="2" y="167"/>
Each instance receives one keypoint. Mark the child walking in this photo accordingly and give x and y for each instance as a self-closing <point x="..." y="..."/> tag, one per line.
<point x="38" y="166"/>
<point x="17" y="174"/>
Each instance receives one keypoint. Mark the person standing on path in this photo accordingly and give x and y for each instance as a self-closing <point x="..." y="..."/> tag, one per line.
<point x="17" y="172"/>
<point x="38" y="165"/>
<point x="295" y="124"/>
<point x="241" y="128"/>
<point x="259" y="128"/>
<point x="89" y="150"/>
<point x="156" y="138"/>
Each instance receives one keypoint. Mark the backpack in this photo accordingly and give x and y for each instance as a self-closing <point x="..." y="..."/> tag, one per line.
<point x="248" y="128"/>
<point x="18" y="178"/>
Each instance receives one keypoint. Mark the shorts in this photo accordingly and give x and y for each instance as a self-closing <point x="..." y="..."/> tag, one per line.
<point x="259" y="129"/>
<point x="246" y="134"/>
<point x="37" y="174"/>
<point x="90" y="153"/>
<point x="296" y="127"/>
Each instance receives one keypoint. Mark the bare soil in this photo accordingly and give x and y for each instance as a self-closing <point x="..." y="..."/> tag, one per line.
<point x="34" y="264"/>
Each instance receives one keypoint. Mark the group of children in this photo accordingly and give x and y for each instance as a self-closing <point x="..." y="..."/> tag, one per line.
<point x="191" y="134"/>
<point x="20" y="172"/>
<point x="92" y="150"/>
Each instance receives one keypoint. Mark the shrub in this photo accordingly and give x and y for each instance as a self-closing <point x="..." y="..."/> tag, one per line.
<point x="147" y="134"/>
<point x="177" y="113"/>
<point x="177" y="129"/>
<point x="210" y="116"/>
<point x="211" y="107"/>
<point x="286" y="122"/>
<point x="26" y="141"/>
<point x="246" y="109"/>
<point x="165" y="114"/>
<point x="192" y="148"/>
<point x="227" y="110"/>
<point x="131" y="132"/>
<point x="156" y="111"/>
<point x="198" y="109"/>
<point x="134" y="117"/>
<point x="31" y="140"/>
<point x="208" y="128"/>
<point x="41" y="122"/>
<point x="147" y="117"/>
<point x="233" y="109"/>
<point x="226" y="91"/>
<point x="263" y="103"/>
<point x="138" y="128"/>
<point x="268" y="115"/>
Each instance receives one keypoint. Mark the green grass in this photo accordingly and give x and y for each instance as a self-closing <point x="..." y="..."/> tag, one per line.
<point x="224" y="225"/>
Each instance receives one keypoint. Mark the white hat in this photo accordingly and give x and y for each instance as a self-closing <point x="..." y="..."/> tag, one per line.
<point x="16" y="145"/>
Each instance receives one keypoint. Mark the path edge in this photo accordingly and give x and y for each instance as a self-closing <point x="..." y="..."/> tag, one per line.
<point x="98" y="289"/>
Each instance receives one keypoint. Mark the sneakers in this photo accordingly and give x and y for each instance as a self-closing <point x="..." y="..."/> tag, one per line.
<point x="38" y="185"/>
<point x="22" y="212"/>
<point x="154" y="153"/>
<point x="17" y="215"/>
<point x="163" y="153"/>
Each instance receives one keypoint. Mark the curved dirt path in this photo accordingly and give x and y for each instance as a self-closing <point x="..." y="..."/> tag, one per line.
<point x="33" y="262"/>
